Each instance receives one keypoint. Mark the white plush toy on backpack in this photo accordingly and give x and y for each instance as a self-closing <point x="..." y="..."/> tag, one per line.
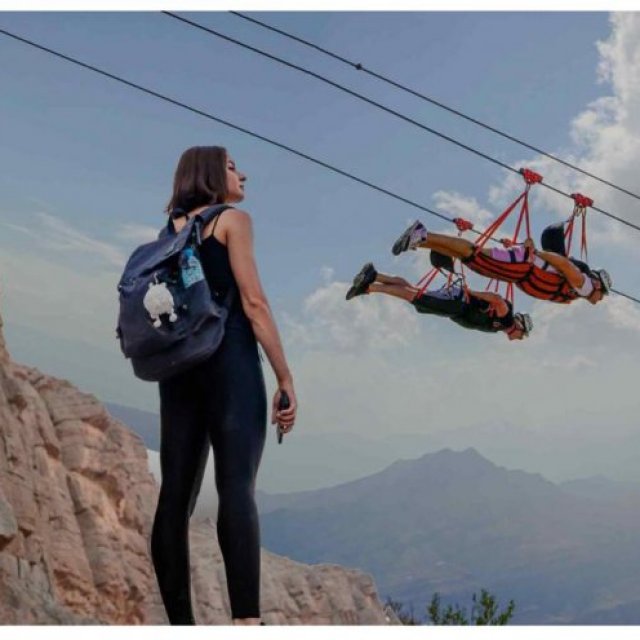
<point x="158" y="300"/>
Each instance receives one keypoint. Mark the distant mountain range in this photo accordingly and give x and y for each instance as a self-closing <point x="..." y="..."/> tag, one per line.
<point x="312" y="461"/>
<point x="145" y="423"/>
<point x="454" y="522"/>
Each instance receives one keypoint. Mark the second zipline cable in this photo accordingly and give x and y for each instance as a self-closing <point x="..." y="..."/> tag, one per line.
<point x="210" y="116"/>
<point x="380" y="106"/>
<point x="360" y="67"/>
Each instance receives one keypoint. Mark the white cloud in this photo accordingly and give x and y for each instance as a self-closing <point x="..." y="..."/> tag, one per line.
<point x="328" y="321"/>
<point x="620" y="60"/>
<point x="78" y="305"/>
<point x="414" y="264"/>
<point x="580" y="327"/>
<point x="623" y="313"/>
<point x="577" y="362"/>
<point x="17" y="227"/>
<point x="458" y="205"/>
<point x="327" y="274"/>
<point x="51" y="233"/>
<point x="62" y="236"/>
<point x="605" y="142"/>
<point x="67" y="285"/>
<point x="588" y="125"/>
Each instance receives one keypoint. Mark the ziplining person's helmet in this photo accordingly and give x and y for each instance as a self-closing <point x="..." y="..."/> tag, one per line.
<point x="604" y="278"/>
<point x="525" y="322"/>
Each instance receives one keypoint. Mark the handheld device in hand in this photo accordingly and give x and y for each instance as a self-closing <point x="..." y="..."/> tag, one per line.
<point x="283" y="403"/>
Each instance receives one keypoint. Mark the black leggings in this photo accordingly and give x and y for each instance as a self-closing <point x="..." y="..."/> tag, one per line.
<point x="221" y="402"/>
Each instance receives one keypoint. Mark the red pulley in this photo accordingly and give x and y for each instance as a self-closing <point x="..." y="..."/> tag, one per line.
<point x="462" y="224"/>
<point x="582" y="201"/>
<point x="530" y="177"/>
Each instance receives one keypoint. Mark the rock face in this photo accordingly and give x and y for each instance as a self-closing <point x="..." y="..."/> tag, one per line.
<point x="4" y="356"/>
<point x="291" y="592"/>
<point x="76" y="508"/>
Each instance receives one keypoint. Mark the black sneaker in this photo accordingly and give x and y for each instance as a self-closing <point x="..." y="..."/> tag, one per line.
<point x="365" y="277"/>
<point x="410" y="238"/>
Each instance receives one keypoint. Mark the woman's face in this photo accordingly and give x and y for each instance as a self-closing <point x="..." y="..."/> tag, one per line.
<point x="235" y="182"/>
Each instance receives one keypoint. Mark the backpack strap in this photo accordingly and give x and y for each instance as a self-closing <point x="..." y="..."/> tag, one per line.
<point x="203" y="218"/>
<point x="215" y="222"/>
<point x="167" y="230"/>
<point x="210" y="213"/>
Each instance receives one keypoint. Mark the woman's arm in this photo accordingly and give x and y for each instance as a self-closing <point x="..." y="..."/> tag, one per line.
<point x="239" y="240"/>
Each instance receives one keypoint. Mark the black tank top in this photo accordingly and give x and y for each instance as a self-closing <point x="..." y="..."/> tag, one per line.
<point x="214" y="257"/>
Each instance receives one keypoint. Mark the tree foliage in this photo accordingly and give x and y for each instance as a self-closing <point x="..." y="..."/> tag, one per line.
<point x="405" y="616"/>
<point x="484" y="611"/>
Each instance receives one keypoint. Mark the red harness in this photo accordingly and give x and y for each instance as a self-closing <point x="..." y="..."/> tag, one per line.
<point x="551" y="285"/>
<point x="497" y="270"/>
<point x="547" y="285"/>
<point x="452" y="279"/>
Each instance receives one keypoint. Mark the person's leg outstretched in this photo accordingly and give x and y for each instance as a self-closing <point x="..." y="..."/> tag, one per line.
<point x="368" y="280"/>
<point x="404" y="291"/>
<point x="416" y="236"/>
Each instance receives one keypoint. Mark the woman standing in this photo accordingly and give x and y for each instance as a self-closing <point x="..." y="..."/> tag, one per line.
<point x="220" y="402"/>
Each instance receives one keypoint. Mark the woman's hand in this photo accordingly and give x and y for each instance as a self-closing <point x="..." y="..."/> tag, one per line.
<point x="285" y="417"/>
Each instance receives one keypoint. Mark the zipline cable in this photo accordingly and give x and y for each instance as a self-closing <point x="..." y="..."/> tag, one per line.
<point x="210" y="116"/>
<point x="360" y="67"/>
<point x="378" y="105"/>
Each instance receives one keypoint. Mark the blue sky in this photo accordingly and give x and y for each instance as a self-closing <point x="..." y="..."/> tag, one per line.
<point x="118" y="147"/>
<point x="87" y="165"/>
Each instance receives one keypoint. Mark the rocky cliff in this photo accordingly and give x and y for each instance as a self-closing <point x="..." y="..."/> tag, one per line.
<point x="76" y="508"/>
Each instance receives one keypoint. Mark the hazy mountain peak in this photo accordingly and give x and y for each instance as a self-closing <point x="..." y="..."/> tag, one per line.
<point x="447" y="457"/>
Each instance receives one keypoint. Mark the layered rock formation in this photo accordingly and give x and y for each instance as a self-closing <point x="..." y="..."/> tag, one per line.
<point x="292" y="593"/>
<point x="76" y="508"/>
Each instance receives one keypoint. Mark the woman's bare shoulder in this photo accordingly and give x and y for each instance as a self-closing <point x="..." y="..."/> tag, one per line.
<point x="237" y="216"/>
<point x="236" y="220"/>
<point x="234" y="224"/>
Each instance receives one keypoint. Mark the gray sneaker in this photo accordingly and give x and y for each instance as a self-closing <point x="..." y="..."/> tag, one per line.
<point x="362" y="280"/>
<point x="410" y="239"/>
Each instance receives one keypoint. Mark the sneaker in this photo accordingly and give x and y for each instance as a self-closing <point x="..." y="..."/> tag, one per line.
<point x="410" y="239"/>
<point x="365" y="277"/>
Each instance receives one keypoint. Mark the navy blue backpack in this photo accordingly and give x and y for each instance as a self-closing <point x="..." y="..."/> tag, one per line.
<point x="169" y="320"/>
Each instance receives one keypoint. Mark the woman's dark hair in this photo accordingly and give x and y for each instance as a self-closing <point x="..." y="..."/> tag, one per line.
<point x="200" y="179"/>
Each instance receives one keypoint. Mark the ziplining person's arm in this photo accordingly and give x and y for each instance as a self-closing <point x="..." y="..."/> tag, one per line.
<point x="496" y="301"/>
<point x="574" y="276"/>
